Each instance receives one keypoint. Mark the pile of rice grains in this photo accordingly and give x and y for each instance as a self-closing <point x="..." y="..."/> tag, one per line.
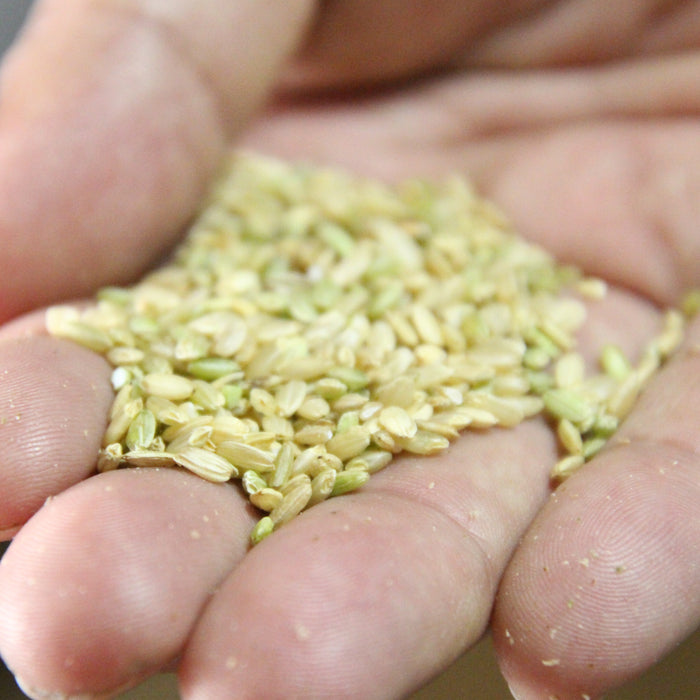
<point x="315" y="324"/>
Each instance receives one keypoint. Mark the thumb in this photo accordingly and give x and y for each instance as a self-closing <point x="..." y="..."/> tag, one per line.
<point x="113" y="115"/>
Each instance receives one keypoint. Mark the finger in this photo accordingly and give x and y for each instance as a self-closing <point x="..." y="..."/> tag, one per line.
<point x="406" y="38"/>
<point x="101" y="587"/>
<point x="335" y="602"/>
<point x="113" y="119"/>
<point x="54" y="399"/>
<point x="605" y="583"/>
<point x="577" y="32"/>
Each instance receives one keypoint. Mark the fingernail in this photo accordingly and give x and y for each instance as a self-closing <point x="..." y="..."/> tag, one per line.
<point x="523" y="692"/>
<point x="516" y="696"/>
<point x="36" y="694"/>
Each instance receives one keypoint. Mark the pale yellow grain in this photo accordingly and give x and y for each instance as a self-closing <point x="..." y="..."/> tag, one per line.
<point x="182" y="431"/>
<point x="557" y="334"/>
<point x="206" y="464"/>
<point x="570" y="436"/>
<point x="123" y="396"/>
<point x="371" y="460"/>
<point x="350" y="443"/>
<point x="142" y="430"/>
<point x="125" y="356"/>
<point x="569" y="370"/>
<point x="510" y="385"/>
<point x="507" y="412"/>
<point x="566" y="466"/>
<point x="397" y="421"/>
<point x="426" y="324"/>
<point x="262" y="529"/>
<point x="283" y="465"/>
<point x="293" y="502"/>
<point x="309" y="461"/>
<point x="314" y="434"/>
<point x="295" y="480"/>
<point x="593" y="445"/>
<point x="398" y="391"/>
<point x="349" y="402"/>
<point x="282" y="428"/>
<point x="110" y="457"/>
<point x="369" y="411"/>
<point x="624" y="396"/>
<point x="402" y="327"/>
<point x="313" y="408"/>
<point x="120" y="422"/>
<point x="252" y="482"/>
<point x="322" y="486"/>
<point x="569" y="404"/>
<point x="329" y="388"/>
<point x="420" y="409"/>
<point x="167" y="386"/>
<point x="60" y="322"/>
<point x="424" y="443"/>
<point x="206" y="396"/>
<point x="439" y="428"/>
<point x="592" y="288"/>
<point x="672" y="333"/>
<point x="246" y="456"/>
<point x="266" y="499"/>
<point x="290" y="396"/>
<point x="191" y="346"/>
<point x="263" y="402"/>
<point x="227" y="427"/>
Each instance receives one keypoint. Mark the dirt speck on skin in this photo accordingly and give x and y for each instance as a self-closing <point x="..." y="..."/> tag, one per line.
<point x="302" y="633"/>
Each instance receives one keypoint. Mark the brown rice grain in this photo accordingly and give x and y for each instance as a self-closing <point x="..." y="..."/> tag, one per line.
<point x="322" y="486"/>
<point x="206" y="464"/>
<point x="167" y="386"/>
<point x="266" y="499"/>
<point x="246" y="456"/>
<point x="566" y="466"/>
<point x="397" y="421"/>
<point x="349" y="480"/>
<point x="293" y="502"/>
<point x="350" y="443"/>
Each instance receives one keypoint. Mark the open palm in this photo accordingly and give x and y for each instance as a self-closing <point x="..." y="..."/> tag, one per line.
<point x="582" y="126"/>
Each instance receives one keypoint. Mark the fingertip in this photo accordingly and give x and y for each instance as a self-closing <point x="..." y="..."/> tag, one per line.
<point x="323" y="606"/>
<point x="54" y="400"/>
<point x="114" y="119"/>
<point x="597" y="592"/>
<point x="102" y="160"/>
<point x="100" y="589"/>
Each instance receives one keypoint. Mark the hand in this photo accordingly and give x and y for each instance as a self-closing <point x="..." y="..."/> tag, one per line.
<point x="582" y="126"/>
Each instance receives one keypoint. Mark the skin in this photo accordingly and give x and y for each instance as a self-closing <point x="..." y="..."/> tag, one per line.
<point x="580" y="120"/>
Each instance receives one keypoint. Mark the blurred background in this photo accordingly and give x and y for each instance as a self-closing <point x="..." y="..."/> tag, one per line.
<point x="475" y="676"/>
